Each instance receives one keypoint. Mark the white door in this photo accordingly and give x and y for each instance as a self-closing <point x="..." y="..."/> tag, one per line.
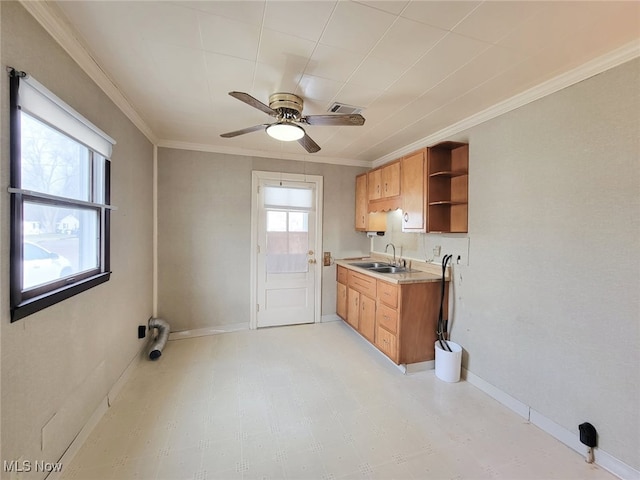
<point x="286" y="268"/>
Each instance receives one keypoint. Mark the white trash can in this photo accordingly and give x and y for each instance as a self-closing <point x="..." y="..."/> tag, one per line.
<point x="448" y="363"/>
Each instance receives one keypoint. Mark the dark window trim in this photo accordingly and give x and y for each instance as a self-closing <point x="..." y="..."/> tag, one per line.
<point x="24" y="303"/>
<point x="48" y="299"/>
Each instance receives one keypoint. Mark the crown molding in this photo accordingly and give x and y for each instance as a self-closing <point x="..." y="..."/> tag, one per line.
<point x="598" y="65"/>
<point x="203" y="147"/>
<point x="46" y="14"/>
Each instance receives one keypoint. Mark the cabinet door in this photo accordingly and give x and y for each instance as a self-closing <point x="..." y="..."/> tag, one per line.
<point x="391" y="180"/>
<point x="341" y="301"/>
<point x="362" y="201"/>
<point x="367" y="320"/>
<point x="353" y="307"/>
<point x="387" y="317"/>
<point x="413" y="192"/>
<point x="387" y="343"/>
<point x="374" y="178"/>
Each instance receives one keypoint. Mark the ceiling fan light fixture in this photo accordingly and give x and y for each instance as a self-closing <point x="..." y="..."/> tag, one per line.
<point x="285" y="132"/>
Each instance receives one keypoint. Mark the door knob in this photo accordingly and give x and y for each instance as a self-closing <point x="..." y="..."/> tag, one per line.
<point x="310" y="252"/>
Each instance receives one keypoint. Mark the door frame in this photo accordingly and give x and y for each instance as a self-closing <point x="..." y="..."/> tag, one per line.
<point x="257" y="177"/>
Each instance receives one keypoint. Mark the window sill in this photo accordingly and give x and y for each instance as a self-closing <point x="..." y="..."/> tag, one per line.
<point x="41" y="302"/>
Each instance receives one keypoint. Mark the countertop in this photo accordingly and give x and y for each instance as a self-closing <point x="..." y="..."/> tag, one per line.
<point x="417" y="275"/>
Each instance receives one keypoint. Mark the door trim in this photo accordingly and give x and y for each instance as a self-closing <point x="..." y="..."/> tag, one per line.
<point x="256" y="177"/>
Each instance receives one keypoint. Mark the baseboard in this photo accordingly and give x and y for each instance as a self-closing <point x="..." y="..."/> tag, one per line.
<point x="411" y="368"/>
<point x="99" y="412"/>
<point x="507" y="400"/>
<point x="330" y="318"/>
<point x="603" y="459"/>
<point x="203" y="332"/>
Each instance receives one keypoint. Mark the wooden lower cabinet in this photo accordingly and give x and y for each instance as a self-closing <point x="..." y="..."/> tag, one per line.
<point x="387" y="343"/>
<point x="367" y="320"/>
<point x="341" y="302"/>
<point x="361" y="313"/>
<point x="353" y="308"/>
<point x="399" y="319"/>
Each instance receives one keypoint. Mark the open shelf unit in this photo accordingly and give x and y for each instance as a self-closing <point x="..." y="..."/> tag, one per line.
<point x="448" y="187"/>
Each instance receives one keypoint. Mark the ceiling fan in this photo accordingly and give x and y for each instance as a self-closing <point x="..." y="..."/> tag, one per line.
<point x="287" y="109"/>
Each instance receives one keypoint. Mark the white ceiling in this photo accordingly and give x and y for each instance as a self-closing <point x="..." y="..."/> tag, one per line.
<point x="417" y="67"/>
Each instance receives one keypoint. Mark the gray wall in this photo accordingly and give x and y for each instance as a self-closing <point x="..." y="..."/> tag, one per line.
<point x="548" y="309"/>
<point x="60" y="362"/>
<point x="204" y="224"/>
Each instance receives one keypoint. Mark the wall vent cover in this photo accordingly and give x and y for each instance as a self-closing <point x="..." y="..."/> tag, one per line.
<point x="343" y="108"/>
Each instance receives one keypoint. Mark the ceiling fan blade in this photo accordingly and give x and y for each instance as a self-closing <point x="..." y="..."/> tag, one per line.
<point x="342" y="120"/>
<point x="308" y="144"/>
<point x="254" y="102"/>
<point x="243" y="131"/>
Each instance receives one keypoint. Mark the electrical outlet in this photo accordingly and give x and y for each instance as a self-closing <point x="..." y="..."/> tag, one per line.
<point x="458" y="248"/>
<point x="327" y="259"/>
<point x="436" y="251"/>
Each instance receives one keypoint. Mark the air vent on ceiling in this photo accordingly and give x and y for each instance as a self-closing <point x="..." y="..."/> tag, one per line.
<point x="343" y="108"/>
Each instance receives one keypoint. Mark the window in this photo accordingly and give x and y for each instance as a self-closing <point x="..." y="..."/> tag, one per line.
<point x="60" y="176"/>
<point x="287" y="228"/>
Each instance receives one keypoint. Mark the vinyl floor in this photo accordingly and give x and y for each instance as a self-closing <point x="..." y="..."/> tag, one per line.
<point x="309" y="402"/>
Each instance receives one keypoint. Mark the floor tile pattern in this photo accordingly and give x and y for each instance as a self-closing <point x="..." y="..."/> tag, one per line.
<point x="309" y="402"/>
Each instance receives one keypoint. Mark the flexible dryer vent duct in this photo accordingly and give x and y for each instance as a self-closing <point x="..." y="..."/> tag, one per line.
<point x="161" y="339"/>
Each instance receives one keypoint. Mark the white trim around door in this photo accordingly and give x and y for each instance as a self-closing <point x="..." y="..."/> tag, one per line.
<point x="257" y="179"/>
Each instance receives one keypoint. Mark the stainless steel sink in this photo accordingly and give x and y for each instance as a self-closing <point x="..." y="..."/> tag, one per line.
<point x="391" y="269"/>
<point x="382" y="267"/>
<point x="370" y="265"/>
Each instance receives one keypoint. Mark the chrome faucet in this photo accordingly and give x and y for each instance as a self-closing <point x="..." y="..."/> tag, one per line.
<point x="394" y="251"/>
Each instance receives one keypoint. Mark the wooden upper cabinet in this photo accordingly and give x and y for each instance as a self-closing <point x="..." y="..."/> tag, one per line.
<point x="384" y="188"/>
<point x="375" y="184"/>
<point x="414" y="193"/>
<point x="365" y="221"/>
<point x="361" y="202"/>
<point x="391" y="179"/>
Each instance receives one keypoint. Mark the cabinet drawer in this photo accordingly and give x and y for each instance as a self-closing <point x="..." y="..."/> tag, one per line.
<point x="342" y="275"/>
<point x="388" y="293"/>
<point x="362" y="283"/>
<point x="387" y="317"/>
<point x="387" y="343"/>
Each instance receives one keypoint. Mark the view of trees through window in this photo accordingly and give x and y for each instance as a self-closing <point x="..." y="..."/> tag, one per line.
<point x="59" y="240"/>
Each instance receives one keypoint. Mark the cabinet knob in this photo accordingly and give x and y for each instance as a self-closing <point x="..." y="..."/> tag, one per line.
<point x="406" y="216"/>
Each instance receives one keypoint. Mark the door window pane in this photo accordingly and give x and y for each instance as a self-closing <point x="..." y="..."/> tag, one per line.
<point x="287" y="241"/>
<point x="276" y="221"/>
